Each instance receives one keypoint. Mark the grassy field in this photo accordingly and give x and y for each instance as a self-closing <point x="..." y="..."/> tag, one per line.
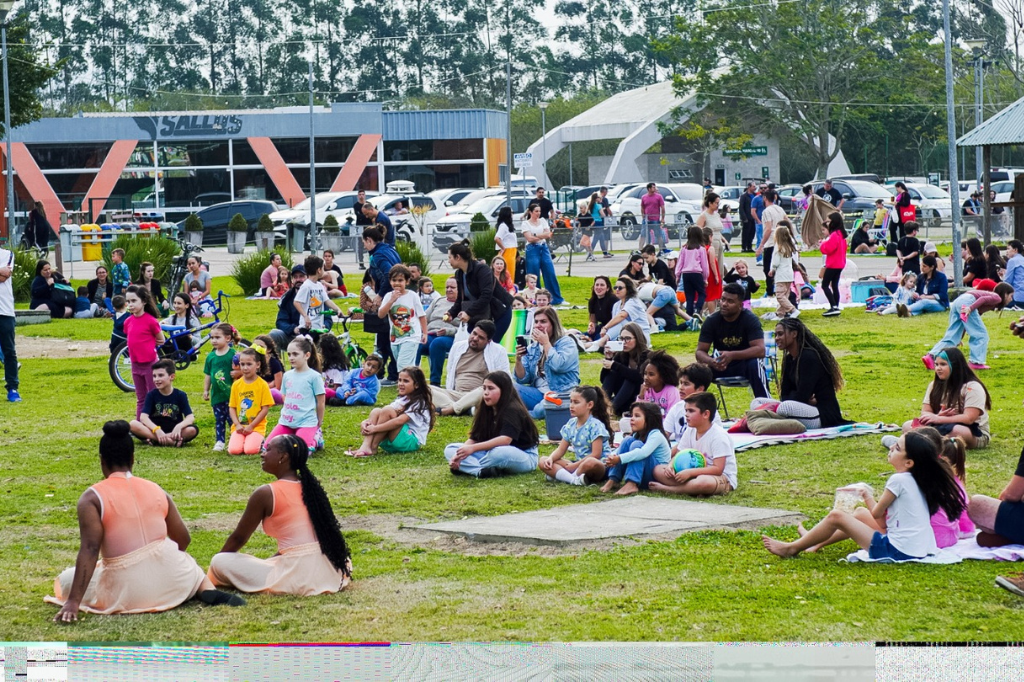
<point x="700" y="586"/>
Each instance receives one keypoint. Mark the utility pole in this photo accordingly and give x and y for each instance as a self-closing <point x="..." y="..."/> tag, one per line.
<point x="954" y="180"/>
<point x="5" y="8"/>
<point x="508" y="132"/>
<point x="314" y="234"/>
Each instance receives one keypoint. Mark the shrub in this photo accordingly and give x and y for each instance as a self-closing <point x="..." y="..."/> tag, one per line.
<point x="193" y="223"/>
<point x="247" y="270"/>
<point x="410" y="254"/>
<point x="265" y="224"/>
<point x="479" y="223"/>
<point x="24" y="273"/>
<point x="238" y="224"/>
<point x="483" y="244"/>
<point x="138" y="249"/>
<point x="331" y="225"/>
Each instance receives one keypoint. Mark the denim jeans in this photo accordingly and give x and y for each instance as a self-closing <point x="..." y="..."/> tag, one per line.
<point x="750" y="369"/>
<point x="533" y="398"/>
<point x="538" y="262"/>
<point x="664" y="297"/>
<point x="654" y="233"/>
<point x="507" y="458"/>
<point x="693" y="286"/>
<point x="758" y="232"/>
<point x="640" y="472"/>
<point x="8" y="352"/>
<point x="437" y="349"/>
<point x="974" y="328"/>
<point x="925" y="305"/>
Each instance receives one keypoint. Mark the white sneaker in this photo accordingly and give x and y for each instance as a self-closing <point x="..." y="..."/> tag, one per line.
<point x="888" y="441"/>
<point x="770" y="317"/>
<point x="795" y="313"/>
<point x="579" y="480"/>
<point x="594" y="347"/>
<point x="218" y="446"/>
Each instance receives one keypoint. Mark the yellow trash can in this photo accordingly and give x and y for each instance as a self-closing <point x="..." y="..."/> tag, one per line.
<point x="92" y="249"/>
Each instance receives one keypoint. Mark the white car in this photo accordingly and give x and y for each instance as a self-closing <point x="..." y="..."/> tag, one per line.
<point x="932" y="203"/>
<point x="683" y="204"/>
<point x="454" y="227"/>
<point x="449" y="197"/>
<point x="338" y="204"/>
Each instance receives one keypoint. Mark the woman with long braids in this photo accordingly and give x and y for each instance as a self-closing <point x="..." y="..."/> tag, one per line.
<point x="312" y="557"/>
<point x="810" y="378"/>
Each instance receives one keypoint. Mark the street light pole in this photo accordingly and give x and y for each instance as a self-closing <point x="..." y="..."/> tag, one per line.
<point x="544" y="140"/>
<point x="977" y="48"/>
<point x="954" y="180"/>
<point x="314" y="234"/>
<point x="5" y="9"/>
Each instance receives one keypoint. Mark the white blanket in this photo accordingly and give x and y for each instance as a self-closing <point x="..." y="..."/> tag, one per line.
<point x="967" y="548"/>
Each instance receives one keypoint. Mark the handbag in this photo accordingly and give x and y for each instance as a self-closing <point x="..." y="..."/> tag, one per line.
<point x="908" y="214"/>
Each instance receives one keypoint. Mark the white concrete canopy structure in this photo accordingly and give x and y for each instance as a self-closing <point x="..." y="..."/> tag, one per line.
<point x="632" y="116"/>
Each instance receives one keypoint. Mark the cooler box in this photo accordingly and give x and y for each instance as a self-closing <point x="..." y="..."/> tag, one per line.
<point x="860" y="290"/>
<point x="556" y="416"/>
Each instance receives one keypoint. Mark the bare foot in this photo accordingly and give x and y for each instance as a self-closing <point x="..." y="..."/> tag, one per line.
<point x="657" y="487"/>
<point x="777" y="548"/>
<point x="801" y="531"/>
<point x="359" y="453"/>
<point x="447" y="411"/>
<point x="609" y="486"/>
<point x="628" y="489"/>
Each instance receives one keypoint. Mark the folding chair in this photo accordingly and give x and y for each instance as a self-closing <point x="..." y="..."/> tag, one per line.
<point x="770" y="365"/>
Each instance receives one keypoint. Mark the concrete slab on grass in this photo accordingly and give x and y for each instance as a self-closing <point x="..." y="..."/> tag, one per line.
<point x="635" y="515"/>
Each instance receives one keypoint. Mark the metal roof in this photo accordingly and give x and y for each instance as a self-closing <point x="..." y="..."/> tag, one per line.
<point x="1006" y="127"/>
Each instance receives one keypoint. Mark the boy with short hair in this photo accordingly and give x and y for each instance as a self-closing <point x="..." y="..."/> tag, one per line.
<point x="312" y="296"/>
<point x="119" y="274"/>
<point x="405" y="314"/>
<point x="166" y="417"/>
<point x="117" y="336"/>
<point x="908" y="250"/>
<point x="694" y="378"/>
<point x="656" y="268"/>
<point x="880" y="213"/>
<point x="712" y="441"/>
<point x="84" y="308"/>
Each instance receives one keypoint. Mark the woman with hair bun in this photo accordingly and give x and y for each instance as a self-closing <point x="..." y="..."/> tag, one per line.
<point x="312" y="557"/>
<point x="134" y="526"/>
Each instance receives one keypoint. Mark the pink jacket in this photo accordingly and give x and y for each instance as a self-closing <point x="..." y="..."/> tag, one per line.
<point x="984" y="301"/>
<point x="834" y="249"/>
<point x="693" y="260"/>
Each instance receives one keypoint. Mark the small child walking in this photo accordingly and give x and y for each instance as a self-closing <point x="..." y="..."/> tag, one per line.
<point x="302" y="414"/>
<point x="217" y="379"/>
<point x="639" y="453"/>
<point x="589" y="434"/>
<point x="144" y="335"/>
<point x="249" y="404"/>
<point x="360" y="387"/>
<point x="120" y="276"/>
<point x="403" y="425"/>
<point x="833" y="248"/>
<point x="783" y="256"/>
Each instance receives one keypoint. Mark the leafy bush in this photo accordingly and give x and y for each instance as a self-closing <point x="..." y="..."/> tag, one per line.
<point x="411" y="254"/>
<point x="331" y="225"/>
<point x="247" y="270"/>
<point x="482" y="244"/>
<point x="193" y="223"/>
<point x="265" y="224"/>
<point x="479" y="223"/>
<point x="238" y="224"/>
<point x="24" y="273"/>
<point x="139" y="249"/>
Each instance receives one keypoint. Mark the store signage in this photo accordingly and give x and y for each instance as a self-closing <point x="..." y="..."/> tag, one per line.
<point x="166" y="127"/>
<point x="747" y="151"/>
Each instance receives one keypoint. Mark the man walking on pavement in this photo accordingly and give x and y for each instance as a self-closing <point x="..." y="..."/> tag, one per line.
<point x="362" y="222"/>
<point x="756" y="209"/>
<point x="547" y="209"/>
<point x="746" y="219"/>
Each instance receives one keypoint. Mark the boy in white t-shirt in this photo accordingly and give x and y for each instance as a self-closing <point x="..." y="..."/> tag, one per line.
<point x="719" y="477"/>
<point x="694" y="378"/>
<point x="312" y="295"/>
<point x="406" y="316"/>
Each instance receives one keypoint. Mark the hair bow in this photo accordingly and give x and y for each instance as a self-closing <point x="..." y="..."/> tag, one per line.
<point x="259" y="349"/>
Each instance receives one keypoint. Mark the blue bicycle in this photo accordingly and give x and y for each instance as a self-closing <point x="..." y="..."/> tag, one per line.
<point x="178" y="346"/>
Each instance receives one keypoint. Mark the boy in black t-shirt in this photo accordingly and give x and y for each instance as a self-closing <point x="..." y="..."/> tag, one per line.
<point x="908" y="250"/>
<point x="656" y="268"/>
<point x="166" y="417"/>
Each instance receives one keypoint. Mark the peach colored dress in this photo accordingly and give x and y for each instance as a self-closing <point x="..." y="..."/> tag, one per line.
<point x="299" y="567"/>
<point x="141" y="570"/>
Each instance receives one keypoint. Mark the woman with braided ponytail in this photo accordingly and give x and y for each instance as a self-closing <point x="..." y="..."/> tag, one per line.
<point x="810" y="378"/>
<point x="312" y="557"/>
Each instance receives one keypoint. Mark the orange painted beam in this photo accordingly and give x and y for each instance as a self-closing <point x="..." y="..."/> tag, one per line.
<point x="355" y="164"/>
<point x="35" y="182"/>
<point x="110" y="172"/>
<point x="275" y="166"/>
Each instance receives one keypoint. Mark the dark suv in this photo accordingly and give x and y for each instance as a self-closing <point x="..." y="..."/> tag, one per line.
<point x="860" y="195"/>
<point x="216" y="218"/>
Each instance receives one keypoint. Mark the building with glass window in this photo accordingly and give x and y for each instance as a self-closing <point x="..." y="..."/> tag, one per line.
<point x="170" y="162"/>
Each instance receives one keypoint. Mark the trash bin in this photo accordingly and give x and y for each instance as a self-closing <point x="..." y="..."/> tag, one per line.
<point x="298" y="233"/>
<point x="71" y="248"/>
<point x="92" y="249"/>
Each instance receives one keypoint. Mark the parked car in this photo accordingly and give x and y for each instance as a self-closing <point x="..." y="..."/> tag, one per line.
<point x="932" y="204"/>
<point x="216" y="218"/>
<point x="683" y="203"/>
<point x="449" y="197"/>
<point x="789" y="195"/>
<point x="733" y="193"/>
<point x="477" y="195"/>
<point x="860" y="196"/>
<point x="454" y="227"/>
<point x="338" y="204"/>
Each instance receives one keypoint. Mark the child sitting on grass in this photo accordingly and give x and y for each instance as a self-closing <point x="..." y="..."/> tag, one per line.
<point x="360" y="387"/>
<point x="640" y="452"/>
<point x="249" y="404"/>
<point x="84" y="308"/>
<point x="661" y="380"/>
<point x="589" y="434"/>
<point x="403" y="425"/>
<point x="166" y="417"/>
<point x="694" y="378"/>
<point x="333" y="364"/>
<point x="712" y="441"/>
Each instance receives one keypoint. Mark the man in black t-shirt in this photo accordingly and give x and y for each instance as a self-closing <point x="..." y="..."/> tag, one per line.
<point x="737" y="336"/>
<point x="908" y="249"/>
<point x="547" y="209"/>
<point x="362" y="222"/>
<point x="832" y="195"/>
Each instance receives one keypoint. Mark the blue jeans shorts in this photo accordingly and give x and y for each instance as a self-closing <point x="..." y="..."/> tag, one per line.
<point x="881" y="548"/>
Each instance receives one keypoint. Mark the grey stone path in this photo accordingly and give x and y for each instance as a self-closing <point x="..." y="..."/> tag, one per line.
<point x="635" y="515"/>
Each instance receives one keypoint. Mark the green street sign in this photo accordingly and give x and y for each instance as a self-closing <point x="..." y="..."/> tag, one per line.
<point x="738" y="176"/>
<point x="765" y="172"/>
<point x="747" y="151"/>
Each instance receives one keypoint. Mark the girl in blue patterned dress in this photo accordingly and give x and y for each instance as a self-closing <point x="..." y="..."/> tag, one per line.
<point x="589" y="434"/>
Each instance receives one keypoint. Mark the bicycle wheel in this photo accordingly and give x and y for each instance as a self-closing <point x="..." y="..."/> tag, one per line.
<point x="356" y="356"/>
<point x="121" y="368"/>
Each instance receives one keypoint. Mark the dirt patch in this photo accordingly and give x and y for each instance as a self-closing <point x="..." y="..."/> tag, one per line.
<point x="33" y="347"/>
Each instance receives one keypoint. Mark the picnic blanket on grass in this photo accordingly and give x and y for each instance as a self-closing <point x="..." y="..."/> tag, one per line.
<point x="967" y="548"/>
<point x="748" y="441"/>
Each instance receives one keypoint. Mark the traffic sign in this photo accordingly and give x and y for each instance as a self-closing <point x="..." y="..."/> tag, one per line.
<point x="524" y="160"/>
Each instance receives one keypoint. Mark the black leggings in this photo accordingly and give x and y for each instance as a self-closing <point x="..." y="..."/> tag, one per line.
<point x="830" y="285"/>
<point x="625" y="393"/>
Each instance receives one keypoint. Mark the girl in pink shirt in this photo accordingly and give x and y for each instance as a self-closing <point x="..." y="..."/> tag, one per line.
<point x="144" y="336"/>
<point x="834" y="249"/>
<point x="965" y="318"/>
<point x="661" y="381"/>
<point x="692" y="270"/>
<point x="947" y="531"/>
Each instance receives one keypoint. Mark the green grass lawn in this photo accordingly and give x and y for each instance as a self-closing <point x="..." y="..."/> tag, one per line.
<point x="700" y="586"/>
